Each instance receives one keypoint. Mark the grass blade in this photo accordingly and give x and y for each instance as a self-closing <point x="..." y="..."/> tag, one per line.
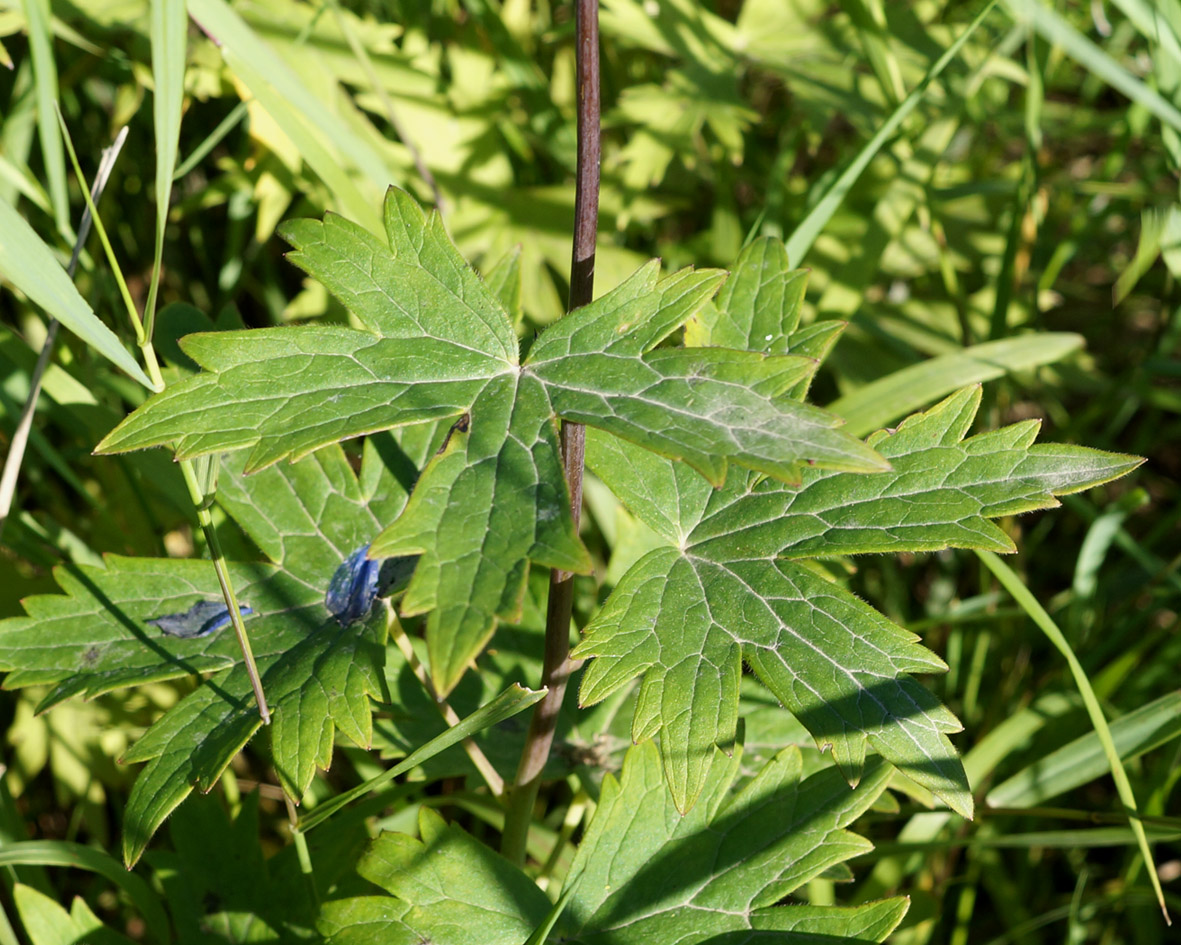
<point x="513" y="700"/>
<point x="805" y="234"/>
<point x="169" y="26"/>
<point x="29" y="265"/>
<point x="1012" y="583"/>
<point x="1082" y="760"/>
<point x="20" y="436"/>
<point x="895" y="395"/>
<point x="1056" y="30"/>
<point x="300" y="114"/>
<point x="45" y="76"/>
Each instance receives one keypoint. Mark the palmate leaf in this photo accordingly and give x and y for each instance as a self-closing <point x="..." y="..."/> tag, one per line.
<point x="437" y="343"/>
<point x="725" y="588"/>
<point x="319" y="675"/>
<point x="643" y="873"/>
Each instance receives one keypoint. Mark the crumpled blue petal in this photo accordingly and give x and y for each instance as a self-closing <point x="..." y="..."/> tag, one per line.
<point x="360" y="580"/>
<point x="353" y="587"/>
<point x="200" y="620"/>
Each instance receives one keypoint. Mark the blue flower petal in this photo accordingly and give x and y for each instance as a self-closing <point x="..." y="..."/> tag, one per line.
<point x="353" y="588"/>
<point x="200" y="620"/>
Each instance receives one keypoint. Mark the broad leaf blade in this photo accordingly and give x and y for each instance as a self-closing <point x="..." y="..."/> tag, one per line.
<point x="442" y="887"/>
<point x="440" y="345"/>
<point x="318" y="675"/>
<point x="415" y="286"/>
<point x="941" y="493"/>
<point x="759" y="306"/>
<point x="646" y="873"/>
<point x="685" y="616"/>
<point x="707" y="406"/>
<point x="491" y="501"/>
<point x="285" y="393"/>
<point x="703" y="405"/>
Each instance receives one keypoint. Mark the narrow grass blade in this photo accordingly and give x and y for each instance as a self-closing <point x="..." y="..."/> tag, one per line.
<point x="1021" y="594"/>
<point x="1083" y="759"/>
<point x="45" y="76"/>
<point x="20" y="436"/>
<point x="302" y="116"/>
<point x="77" y="856"/>
<point x="896" y="395"/>
<point x="1056" y="30"/>
<point x="541" y="934"/>
<point x="29" y="265"/>
<point x="169" y="26"/>
<point x="805" y="234"/>
<point x="513" y="700"/>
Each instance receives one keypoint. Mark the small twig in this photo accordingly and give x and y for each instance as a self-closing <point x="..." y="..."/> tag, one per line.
<point x="20" y="438"/>
<point x="559" y="667"/>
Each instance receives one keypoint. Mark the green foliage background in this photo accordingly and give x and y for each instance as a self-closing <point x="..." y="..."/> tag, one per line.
<point x="1030" y="202"/>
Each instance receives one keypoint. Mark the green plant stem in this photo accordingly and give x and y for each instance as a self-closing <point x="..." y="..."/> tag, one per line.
<point x="1012" y="583"/>
<point x="301" y="850"/>
<point x="558" y="666"/>
<point x="201" y="501"/>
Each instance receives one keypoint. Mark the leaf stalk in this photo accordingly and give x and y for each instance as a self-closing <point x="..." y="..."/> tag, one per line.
<point x="196" y="492"/>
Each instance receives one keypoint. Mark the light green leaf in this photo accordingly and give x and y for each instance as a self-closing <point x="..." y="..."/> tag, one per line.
<point x="77" y="856"/>
<point x="47" y="923"/>
<point x="437" y="343"/>
<point x="805" y="234"/>
<point x="286" y="392"/>
<point x="646" y="873"/>
<point x="703" y="405"/>
<point x="441" y="888"/>
<point x="758" y="307"/>
<point x="877" y="403"/>
<point x="685" y="616"/>
<point x="28" y="264"/>
<point x="325" y="140"/>
<point x="503" y="280"/>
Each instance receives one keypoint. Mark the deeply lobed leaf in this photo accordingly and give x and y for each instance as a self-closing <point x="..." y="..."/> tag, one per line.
<point x="437" y="343"/>
<point x="318" y="675"/>
<point x="643" y="872"/>
<point x="441" y="888"/>
<point x="686" y="616"/>
<point x="493" y="499"/>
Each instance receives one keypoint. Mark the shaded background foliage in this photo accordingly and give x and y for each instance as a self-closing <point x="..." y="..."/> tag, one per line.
<point x="1025" y="194"/>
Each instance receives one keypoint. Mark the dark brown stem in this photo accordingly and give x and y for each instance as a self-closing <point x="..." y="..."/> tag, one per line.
<point x="558" y="665"/>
